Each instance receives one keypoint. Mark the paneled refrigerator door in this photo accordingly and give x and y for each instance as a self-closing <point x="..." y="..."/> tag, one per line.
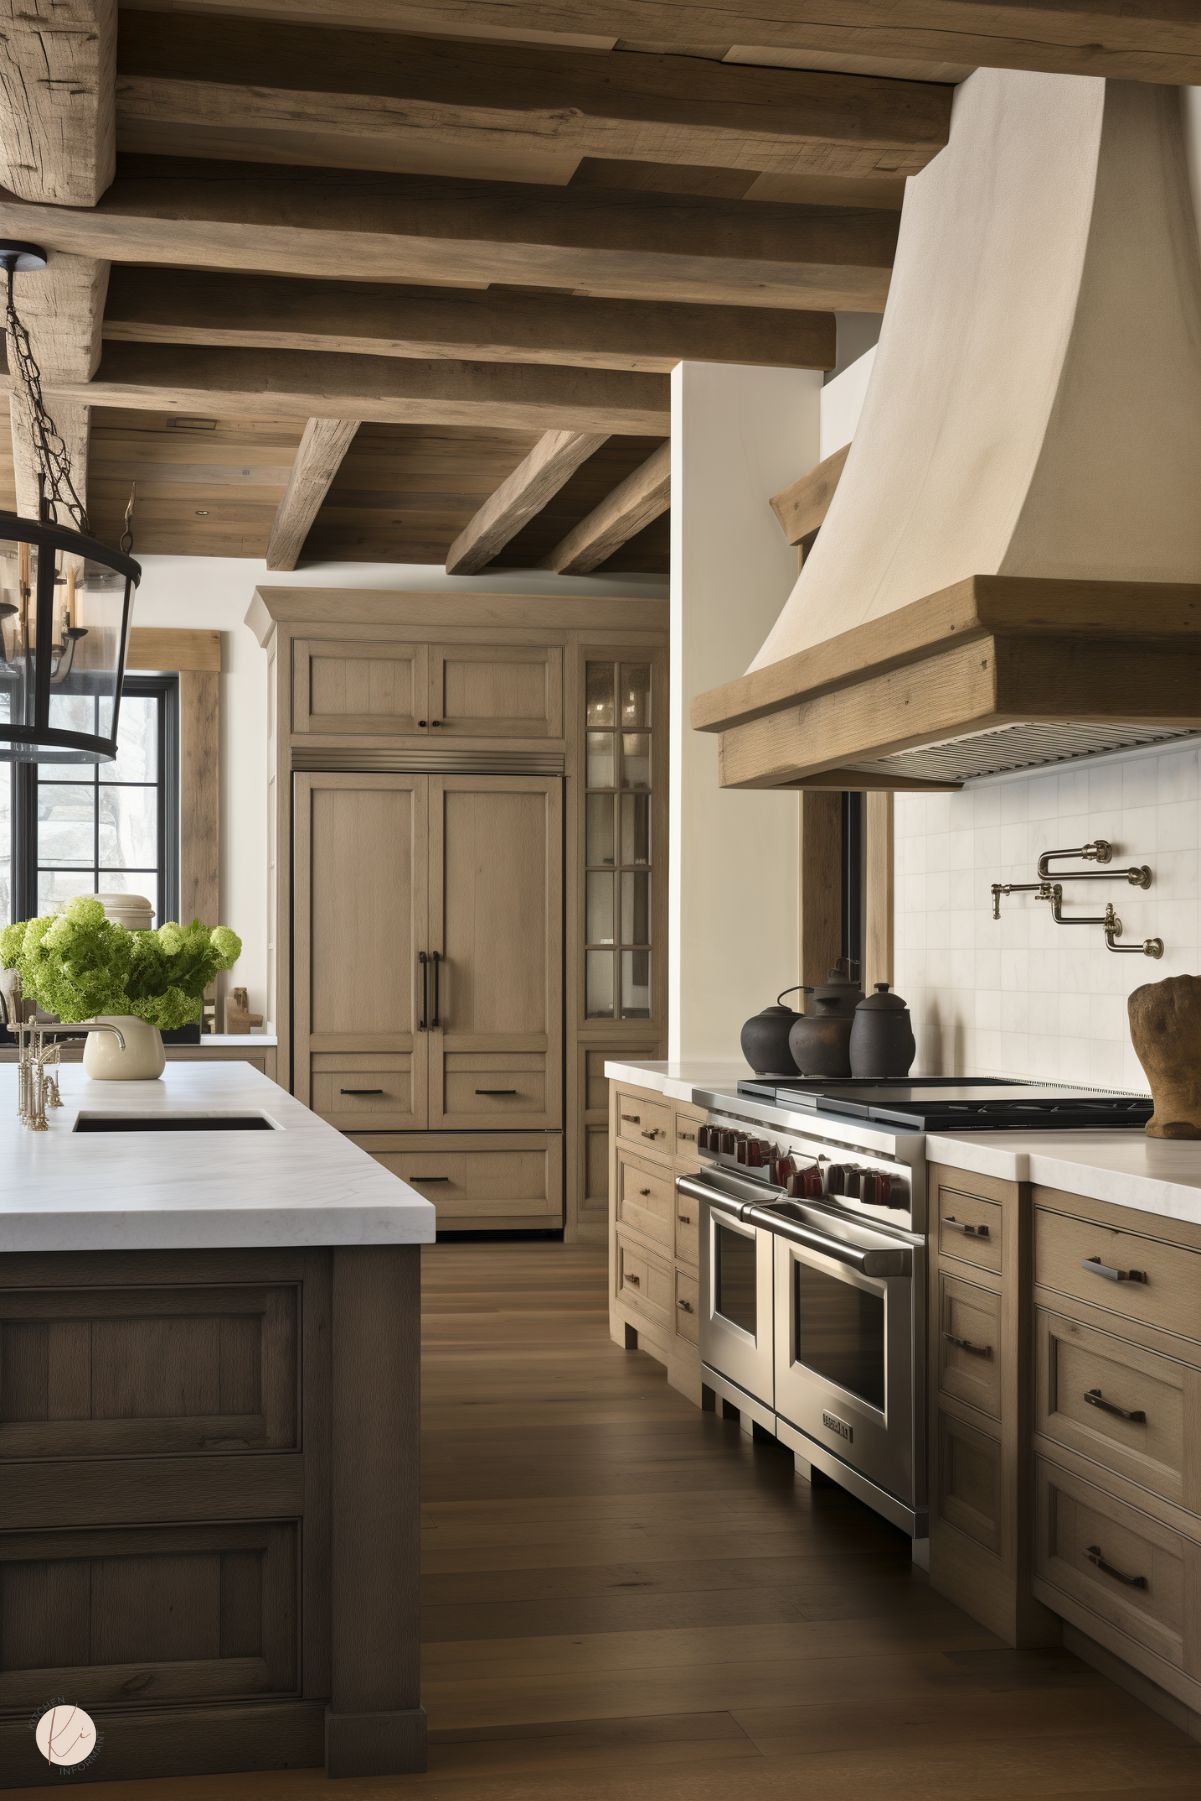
<point x="362" y="988"/>
<point x="496" y="943"/>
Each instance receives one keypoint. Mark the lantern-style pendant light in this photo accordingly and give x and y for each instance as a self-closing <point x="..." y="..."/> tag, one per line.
<point x="65" y="599"/>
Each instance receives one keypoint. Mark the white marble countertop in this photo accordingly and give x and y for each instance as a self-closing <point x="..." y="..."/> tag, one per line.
<point x="300" y="1184"/>
<point x="680" y="1080"/>
<point x="1152" y="1175"/>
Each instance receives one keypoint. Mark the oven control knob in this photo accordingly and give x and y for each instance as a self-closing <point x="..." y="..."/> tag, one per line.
<point x="852" y="1184"/>
<point x="836" y="1177"/>
<point x="814" y="1185"/>
<point x="886" y="1197"/>
<point x="742" y="1147"/>
<point x="782" y="1168"/>
<point x="729" y="1142"/>
<point x="704" y="1138"/>
<point x="869" y="1188"/>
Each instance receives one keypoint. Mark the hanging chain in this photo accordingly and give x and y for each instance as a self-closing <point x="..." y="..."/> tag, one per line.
<point x="55" y="475"/>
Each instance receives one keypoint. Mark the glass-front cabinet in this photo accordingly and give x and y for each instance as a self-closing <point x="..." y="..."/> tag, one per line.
<point x="621" y="885"/>
<point x="620" y="851"/>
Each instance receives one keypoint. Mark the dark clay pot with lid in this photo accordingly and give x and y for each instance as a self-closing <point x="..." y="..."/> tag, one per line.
<point x="882" y="1036"/>
<point x="764" y="1038"/>
<point x="820" y="1039"/>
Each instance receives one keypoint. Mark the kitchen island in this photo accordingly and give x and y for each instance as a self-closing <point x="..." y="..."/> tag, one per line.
<point x="209" y="1411"/>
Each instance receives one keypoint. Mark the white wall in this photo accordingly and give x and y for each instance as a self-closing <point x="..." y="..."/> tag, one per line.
<point x="213" y="593"/>
<point x="738" y="436"/>
<point x="1021" y="996"/>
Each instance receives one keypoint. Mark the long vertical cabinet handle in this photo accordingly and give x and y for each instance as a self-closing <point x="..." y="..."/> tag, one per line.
<point x="423" y="1023"/>
<point x="436" y="960"/>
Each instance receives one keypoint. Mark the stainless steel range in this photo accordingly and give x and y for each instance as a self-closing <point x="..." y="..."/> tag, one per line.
<point x="813" y="1262"/>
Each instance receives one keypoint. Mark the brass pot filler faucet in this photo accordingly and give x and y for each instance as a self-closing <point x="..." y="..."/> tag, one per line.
<point x="1049" y="887"/>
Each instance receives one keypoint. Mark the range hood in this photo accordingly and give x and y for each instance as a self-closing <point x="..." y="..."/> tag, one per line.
<point x="1009" y="573"/>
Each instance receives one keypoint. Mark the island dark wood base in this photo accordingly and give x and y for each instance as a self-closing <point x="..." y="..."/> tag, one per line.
<point x="209" y="1509"/>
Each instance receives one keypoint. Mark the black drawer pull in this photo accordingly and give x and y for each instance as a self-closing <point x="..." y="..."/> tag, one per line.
<point x="634" y="1281"/>
<point x="1093" y="1553"/>
<point x="1095" y="1267"/>
<point x="965" y="1344"/>
<point x="644" y="1192"/>
<point x="1095" y="1398"/>
<point x="361" y="1091"/>
<point x="496" y="1091"/>
<point x="689" y="1137"/>
<point x="685" y="1219"/>
<point x="684" y="1306"/>
<point x="652" y="1132"/>
<point x="632" y="1119"/>
<point x="967" y="1230"/>
<point x="429" y="1178"/>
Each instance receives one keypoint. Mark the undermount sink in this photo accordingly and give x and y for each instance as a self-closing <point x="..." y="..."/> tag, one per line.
<point x="174" y="1122"/>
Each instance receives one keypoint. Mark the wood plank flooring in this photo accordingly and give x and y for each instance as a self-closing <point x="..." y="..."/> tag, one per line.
<point x="626" y="1601"/>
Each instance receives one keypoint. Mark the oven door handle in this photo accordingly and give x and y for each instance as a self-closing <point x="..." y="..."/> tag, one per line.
<point x="896" y="1261"/>
<point x="721" y="1199"/>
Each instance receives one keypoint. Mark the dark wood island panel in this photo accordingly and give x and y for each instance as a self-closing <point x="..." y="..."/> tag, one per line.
<point x="209" y="1508"/>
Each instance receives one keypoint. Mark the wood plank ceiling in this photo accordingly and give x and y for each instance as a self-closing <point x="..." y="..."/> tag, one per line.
<point x="404" y="279"/>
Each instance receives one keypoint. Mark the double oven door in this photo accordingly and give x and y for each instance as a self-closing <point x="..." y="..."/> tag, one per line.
<point x="847" y="1354"/>
<point x="737" y="1325"/>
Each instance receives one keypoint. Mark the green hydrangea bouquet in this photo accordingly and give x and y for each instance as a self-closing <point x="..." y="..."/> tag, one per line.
<point x="79" y="964"/>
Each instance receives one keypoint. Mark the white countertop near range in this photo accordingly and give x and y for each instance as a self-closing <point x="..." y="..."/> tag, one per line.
<point x="300" y="1184"/>
<point x="679" y="1081"/>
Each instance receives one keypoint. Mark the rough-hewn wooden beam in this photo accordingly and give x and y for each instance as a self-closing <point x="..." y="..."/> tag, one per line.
<point x="537" y="478"/>
<point x="58" y="67"/>
<point x="295" y="384"/>
<point x="633" y="503"/>
<point x="61" y="307"/>
<point x="195" y="306"/>
<point x="319" y="454"/>
<point x="801" y="507"/>
<point x="642" y="246"/>
<point x="1142" y="40"/>
<point x="294" y="93"/>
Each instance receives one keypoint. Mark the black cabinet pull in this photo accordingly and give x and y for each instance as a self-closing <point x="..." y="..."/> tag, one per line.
<point x="1093" y="1553"/>
<point x="423" y="1022"/>
<point x="436" y="960"/>
<point x="967" y="1230"/>
<point x="965" y="1344"/>
<point x="632" y="1119"/>
<point x="437" y="722"/>
<point x="1095" y="1398"/>
<point x="684" y="1306"/>
<point x="360" y="1091"/>
<point x="644" y="1192"/>
<point x="429" y="1178"/>
<point x="1095" y="1267"/>
<point x="496" y="1091"/>
<point x="634" y="1281"/>
<point x="685" y="1219"/>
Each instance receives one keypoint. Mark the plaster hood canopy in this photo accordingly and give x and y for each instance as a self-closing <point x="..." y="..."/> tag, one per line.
<point x="1010" y="569"/>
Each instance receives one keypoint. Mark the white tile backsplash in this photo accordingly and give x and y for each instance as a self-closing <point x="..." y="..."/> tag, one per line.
<point x="1021" y="996"/>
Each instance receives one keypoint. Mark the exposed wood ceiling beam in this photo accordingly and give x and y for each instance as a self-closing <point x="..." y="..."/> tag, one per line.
<point x="61" y="307"/>
<point x="58" y="66"/>
<point x="319" y="454"/>
<point x="194" y="306"/>
<point x="400" y="228"/>
<point x="1142" y="40"/>
<point x="637" y="500"/>
<point x="802" y="507"/>
<point x="537" y="478"/>
<point x="297" y="384"/>
<point x="275" y="92"/>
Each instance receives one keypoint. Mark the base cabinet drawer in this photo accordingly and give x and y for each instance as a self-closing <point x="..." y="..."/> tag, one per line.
<point x="491" y="1090"/>
<point x="507" y="1183"/>
<point x="1124" y="1407"/>
<point x="1138" y="1277"/>
<point x="1137" y="1576"/>
<point x="966" y="1480"/>
<point x="646" y="1199"/>
<point x="969" y="1227"/>
<point x="688" y="1301"/>
<point x="642" y="1124"/>
<point x="688" y="1230"/>
<point x="643" y="1282"/>
<point x="363" y="1090"/>
<point x="970" y="1350"/>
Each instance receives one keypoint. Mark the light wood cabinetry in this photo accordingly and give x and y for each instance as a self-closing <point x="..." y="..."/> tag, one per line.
<point x="1066" y="1479"/>
<point x="980" y="1535"/>
<point x="654" y="1232"/>
<point x="430" y="958"/>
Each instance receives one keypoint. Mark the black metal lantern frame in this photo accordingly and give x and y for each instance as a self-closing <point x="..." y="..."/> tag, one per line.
<point x="66" y="600"/>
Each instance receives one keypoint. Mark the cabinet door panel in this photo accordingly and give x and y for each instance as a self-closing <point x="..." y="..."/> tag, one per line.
<point x="496" y="872"/>
<point x="370" y="689"/>
<point x="361" y="920"/>
<point x="496" y="691"/>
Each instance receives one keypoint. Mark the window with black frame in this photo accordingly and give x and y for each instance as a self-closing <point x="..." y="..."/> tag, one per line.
<point x="68" y="829"/>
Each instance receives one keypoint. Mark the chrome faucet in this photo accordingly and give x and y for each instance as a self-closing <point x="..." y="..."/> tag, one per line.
<point x="37" y="1084"/>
